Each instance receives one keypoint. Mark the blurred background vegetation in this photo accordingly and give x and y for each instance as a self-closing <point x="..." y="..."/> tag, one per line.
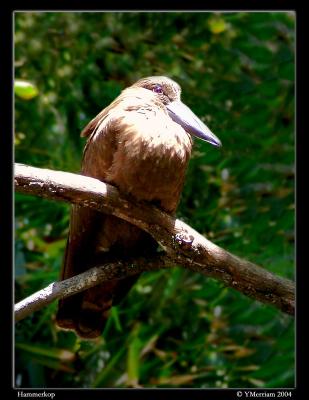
<point x="175" y="328"/>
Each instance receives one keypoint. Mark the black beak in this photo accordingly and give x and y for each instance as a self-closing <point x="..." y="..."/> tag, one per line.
<point x="183" y="116"/>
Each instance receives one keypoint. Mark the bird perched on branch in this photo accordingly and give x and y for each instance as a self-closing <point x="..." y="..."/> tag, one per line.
<point x="141" y="143"/>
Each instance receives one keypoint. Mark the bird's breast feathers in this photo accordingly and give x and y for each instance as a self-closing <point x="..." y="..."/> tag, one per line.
<point x="139" y="147"/>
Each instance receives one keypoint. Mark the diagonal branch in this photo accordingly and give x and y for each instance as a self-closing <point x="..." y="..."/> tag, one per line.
<point x="78" y="283"/>
<point x="183" y="245"/>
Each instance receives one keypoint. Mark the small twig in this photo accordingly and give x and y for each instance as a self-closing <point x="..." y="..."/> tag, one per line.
<point x="183" y="245"/>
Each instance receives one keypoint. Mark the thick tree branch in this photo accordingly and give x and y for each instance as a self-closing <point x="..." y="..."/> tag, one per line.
<point x="183" y="245"/>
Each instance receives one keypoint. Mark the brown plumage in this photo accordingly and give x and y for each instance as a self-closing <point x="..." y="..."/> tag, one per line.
<point x="141" y="145"/>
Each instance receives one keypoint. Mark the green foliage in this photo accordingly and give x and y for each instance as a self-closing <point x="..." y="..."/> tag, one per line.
<point x="176" y="328"/>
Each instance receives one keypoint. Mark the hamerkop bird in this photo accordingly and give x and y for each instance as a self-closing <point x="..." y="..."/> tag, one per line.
<point x="141" y="143"/>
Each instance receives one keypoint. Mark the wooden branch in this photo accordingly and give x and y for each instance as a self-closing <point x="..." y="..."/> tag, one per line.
<point x="183" y="245"/>
<point x="86" y="280"/>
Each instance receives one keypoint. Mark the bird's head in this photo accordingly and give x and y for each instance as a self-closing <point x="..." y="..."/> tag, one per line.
<point x="169" y="93"/>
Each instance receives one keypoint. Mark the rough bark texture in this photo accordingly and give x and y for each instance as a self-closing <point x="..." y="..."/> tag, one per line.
<point x="183" y="245"/>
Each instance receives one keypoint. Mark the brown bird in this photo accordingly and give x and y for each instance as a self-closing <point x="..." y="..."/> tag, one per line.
<point x="141" y="143"/>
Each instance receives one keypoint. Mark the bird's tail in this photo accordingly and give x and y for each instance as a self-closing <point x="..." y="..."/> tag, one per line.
<point x="86" y="313"/>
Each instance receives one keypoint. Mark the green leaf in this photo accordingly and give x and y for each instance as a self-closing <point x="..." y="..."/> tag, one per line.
<point x="59" y="354"/>
<point x="103" y="375"/>
<point x="25" y="90"/>
<point x="217" y="25"/>
<point x="133" y="357"/>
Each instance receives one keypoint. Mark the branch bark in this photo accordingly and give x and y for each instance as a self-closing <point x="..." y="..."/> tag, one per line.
<point x="183" y="245"/>
<point x="78" y="283"/>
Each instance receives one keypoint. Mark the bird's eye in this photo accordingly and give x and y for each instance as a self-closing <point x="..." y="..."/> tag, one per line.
<point x="157" y="89"/>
